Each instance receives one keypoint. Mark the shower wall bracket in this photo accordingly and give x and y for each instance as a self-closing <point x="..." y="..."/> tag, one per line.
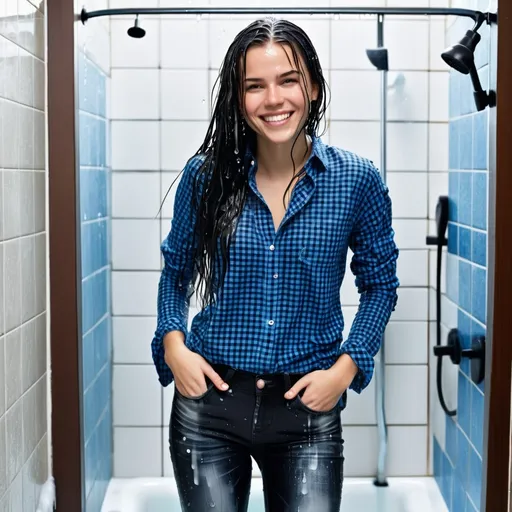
<point x="453" y="349"/>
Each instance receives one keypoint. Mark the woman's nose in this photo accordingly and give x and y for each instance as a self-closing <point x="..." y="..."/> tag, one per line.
<point x="273" y="96"/>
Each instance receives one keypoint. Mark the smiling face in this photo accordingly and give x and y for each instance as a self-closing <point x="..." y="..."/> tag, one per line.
<point x="276" y="101"/>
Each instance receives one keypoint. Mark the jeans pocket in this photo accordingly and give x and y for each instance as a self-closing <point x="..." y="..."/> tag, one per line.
<point x="209" y="389"/>
<point x="301" y="405"/>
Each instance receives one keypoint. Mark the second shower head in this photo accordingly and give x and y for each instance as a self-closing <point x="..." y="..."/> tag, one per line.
<point x="461" y="56"/>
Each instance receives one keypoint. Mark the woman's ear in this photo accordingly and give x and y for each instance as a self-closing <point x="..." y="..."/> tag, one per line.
<point x="314" y="92"/>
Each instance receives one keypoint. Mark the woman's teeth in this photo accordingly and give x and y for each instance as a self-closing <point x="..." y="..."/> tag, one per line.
<point x="277" y="119"/>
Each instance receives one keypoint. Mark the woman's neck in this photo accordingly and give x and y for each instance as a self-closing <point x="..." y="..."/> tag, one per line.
<point x="275" y="159"/>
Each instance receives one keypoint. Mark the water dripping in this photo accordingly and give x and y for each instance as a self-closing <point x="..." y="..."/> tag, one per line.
<point x="194" y="467"/>
<point x="304" y="487"/>
<point x="313" y="463"/>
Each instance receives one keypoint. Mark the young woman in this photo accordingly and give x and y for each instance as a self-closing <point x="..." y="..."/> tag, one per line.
<point x="263" y="371"/>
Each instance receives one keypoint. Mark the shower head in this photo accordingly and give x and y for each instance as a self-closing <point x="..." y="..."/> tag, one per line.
<point x="461" y="56"/>
<point x="136" y="31"/>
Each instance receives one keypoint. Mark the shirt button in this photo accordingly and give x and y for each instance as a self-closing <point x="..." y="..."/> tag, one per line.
<point x="276" y="276"/>
<point x="271" y="322"/>
<point x="272" y="247"/>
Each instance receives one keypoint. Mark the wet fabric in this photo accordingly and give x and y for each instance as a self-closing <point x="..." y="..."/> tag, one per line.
<point x="212" y="438"/>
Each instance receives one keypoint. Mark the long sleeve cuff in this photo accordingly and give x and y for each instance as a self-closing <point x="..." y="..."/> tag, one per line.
<point x="365" y="336"/>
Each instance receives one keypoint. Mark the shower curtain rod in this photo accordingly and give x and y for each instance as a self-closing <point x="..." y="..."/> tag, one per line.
<point x="405" y="11"/>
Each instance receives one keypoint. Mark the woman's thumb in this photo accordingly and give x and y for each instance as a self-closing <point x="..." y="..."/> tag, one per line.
<point x="215" y="378"/>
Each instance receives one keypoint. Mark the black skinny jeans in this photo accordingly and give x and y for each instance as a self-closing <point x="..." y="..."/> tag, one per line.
<point x="212" y="438"/>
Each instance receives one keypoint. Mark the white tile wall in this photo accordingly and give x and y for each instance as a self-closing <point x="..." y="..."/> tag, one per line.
<point x="184" y="94"/>
<point x="414" y="203"/>
<point x="135" y="145"/>
<point x="412" y="268"/>
<point x="407" y="43"/>
<point x="138" y="452"/>
<point x="184" y="44"/>
<point x="438" y="104"/>
<point x="407" y="342"/>
<point x="180" y="140"/>
<point x="133" y="243"/>
<point x="133" y="293"/>
<point x="128" y="52"/>
<point x="128" y="86"/>
<point x="407" y="450"/>
<point x="24" y="421"/>
<point x="127" y="199"/>
<point x="137" y="396"/>
<point x="438" y="147"/>
<point x="130" y="338"/>
<point x="160" y="120"/>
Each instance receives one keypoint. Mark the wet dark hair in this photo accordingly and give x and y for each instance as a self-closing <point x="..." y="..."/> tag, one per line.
<point x="224" y="171"/>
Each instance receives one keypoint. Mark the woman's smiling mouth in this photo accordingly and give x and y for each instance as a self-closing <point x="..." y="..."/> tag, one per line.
<point x="277" y="120"/>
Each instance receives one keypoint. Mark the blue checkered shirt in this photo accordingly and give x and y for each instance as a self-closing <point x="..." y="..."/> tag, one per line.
<point x="279" y="309"/>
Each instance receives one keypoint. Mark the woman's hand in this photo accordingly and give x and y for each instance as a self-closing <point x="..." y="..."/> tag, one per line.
<point x="189" y="370"/>
<point x="325" y="387"/>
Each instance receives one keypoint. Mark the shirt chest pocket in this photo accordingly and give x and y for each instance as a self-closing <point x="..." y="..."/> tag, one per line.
<point x="322" y="245"/>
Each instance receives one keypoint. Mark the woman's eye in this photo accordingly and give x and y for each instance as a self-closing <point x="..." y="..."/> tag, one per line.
<point x="290" y="80"/>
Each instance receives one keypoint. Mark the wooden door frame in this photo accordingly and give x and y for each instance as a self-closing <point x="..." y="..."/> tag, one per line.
<point x="495" y="464"/>
<point x="65" y="282"/>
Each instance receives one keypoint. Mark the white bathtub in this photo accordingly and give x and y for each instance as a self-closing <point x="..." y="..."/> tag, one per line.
<point x="359" y="495"/>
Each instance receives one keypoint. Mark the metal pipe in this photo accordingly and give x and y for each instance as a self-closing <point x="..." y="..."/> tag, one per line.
<point x="400" y="11"/>
<point x="380" y="381"/>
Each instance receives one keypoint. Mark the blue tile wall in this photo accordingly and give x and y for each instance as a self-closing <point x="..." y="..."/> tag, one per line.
<point x="458" y="468"/>
<point x="95" y="252"/>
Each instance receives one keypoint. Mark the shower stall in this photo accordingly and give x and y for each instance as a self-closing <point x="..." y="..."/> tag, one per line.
<point x="133" y="109"/>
